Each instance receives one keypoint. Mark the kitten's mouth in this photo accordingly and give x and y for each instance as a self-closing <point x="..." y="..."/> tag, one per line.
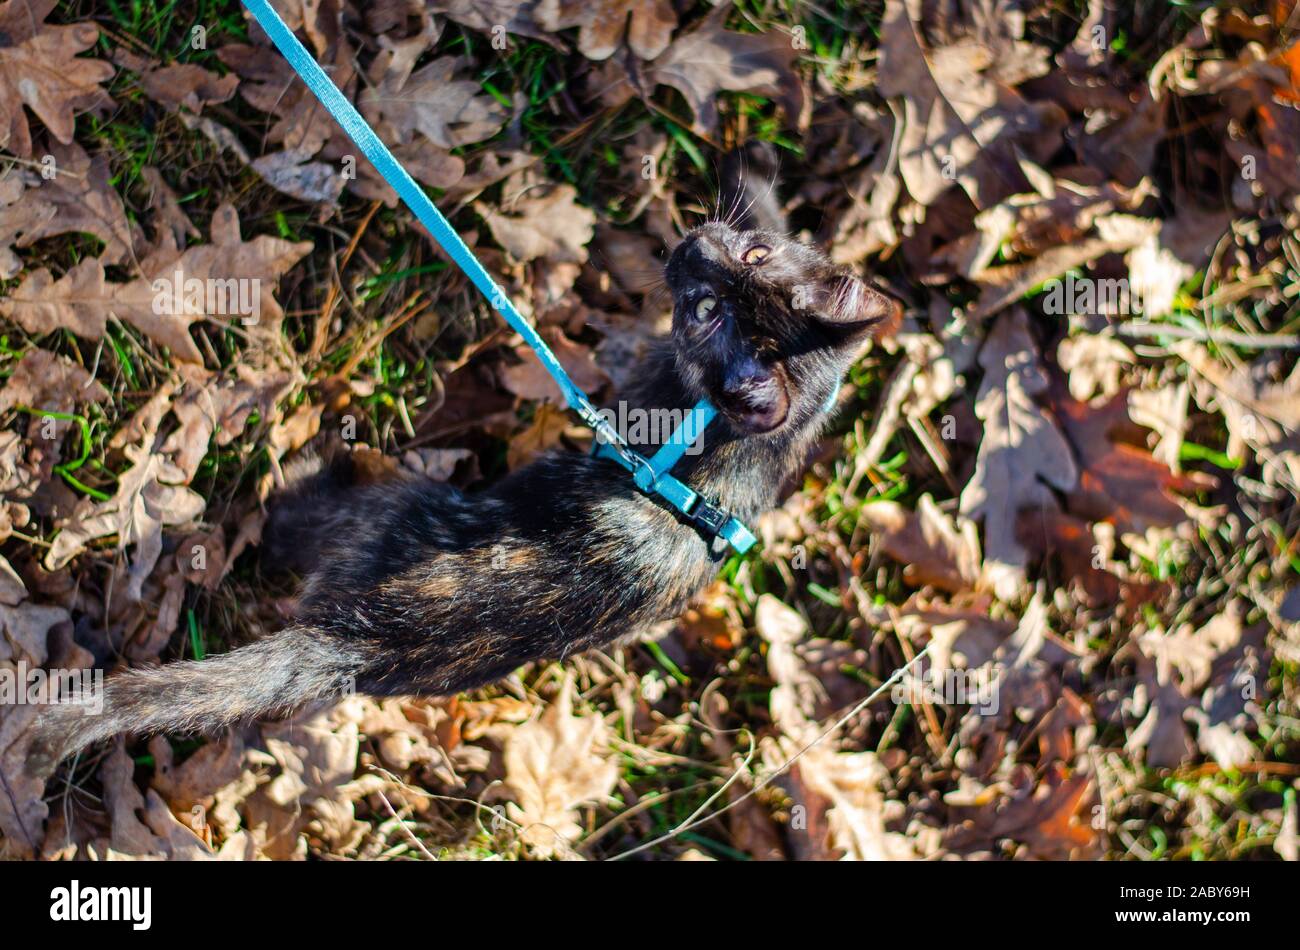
<point x="757" y="405"/>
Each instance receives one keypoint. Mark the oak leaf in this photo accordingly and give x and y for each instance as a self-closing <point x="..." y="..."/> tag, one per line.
<point x="648" y="24"/>
<point x="149" y="496"/>
<point x="40" y="68"/>
<point x="1022" y="455"/>
<point x="553" y="766"/>
<point x="933" y="548"/>
<point x="228" y="279"/>
<point x="541" y="221"/>
<point x="708" y="60"/>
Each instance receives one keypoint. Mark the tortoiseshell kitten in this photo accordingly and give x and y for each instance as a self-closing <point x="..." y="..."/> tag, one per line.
<point x="413" y="587"/>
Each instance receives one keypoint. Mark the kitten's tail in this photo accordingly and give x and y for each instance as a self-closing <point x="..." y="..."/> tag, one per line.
<point x="275" y="675"/>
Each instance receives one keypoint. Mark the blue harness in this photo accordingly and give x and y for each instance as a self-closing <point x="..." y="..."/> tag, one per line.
<point x="651" y="475"/>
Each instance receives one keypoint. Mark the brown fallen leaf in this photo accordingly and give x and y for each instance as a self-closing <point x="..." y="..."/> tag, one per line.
<point x="1120" y="482"/>
<point x="707" y="60"/>
<point x="141" y="826"/>
<point x="77" y="197"/>
<point x="518" y="17"/>
<point x="1002" y="286"/>
<point x="270" y="85"/>
<point x="930" y="545"/>
<point x="1260" y="411"/>
<point x="538" y="220"/>
<point x="959" y="125"/>
<point x="192" y="788"/>
<point x="42" y="386"/>
<point x="186" y="85"/>
<point x="227" y="280"/>
<point x="1022" y="455"/>
<point x="221" y="404"/>
<point x="1198" y="676"/>
<point x="40" y="68"/>
<point x="529" y="379"/>
<point x="840" y="790"/>
<point x="961" y="636"/>
<point x="34" y="634"/>
<point x="1164" y="261"/>
<point x="430" y="103"/>
<point x="149" y="496"/>
<point x="1050" y="531"/>
<point x="303" y="126"/>
<point x="1051" y="821"/>
<point x="46" y="382"/>
<point x="1163" y="411"/>
<point x="1162" y="737"/>
<point x="172" y="226"/>
<point x="1057" y="212"/>
<point x="648" y="24"/>
<point x="553" y="766"/>
<point x="711" y="618"/>
<point x="315" y="789"/>
<point x="1092" y="363"/>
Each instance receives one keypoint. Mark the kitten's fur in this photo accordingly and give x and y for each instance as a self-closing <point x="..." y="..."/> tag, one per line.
<point x="413" y="587"/>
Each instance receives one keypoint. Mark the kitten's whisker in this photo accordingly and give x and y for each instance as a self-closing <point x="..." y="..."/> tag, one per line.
<point x="738" y="194"/>
<point x="771" y="184"/>
<point x="734" y="196"/>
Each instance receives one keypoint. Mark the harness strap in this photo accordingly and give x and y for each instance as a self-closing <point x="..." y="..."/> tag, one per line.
<point x="651" y="475"/>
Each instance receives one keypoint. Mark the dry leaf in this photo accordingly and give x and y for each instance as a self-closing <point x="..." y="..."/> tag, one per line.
<point x="187" y="85"/>
<point x="40" y="68"/>
<point x="1093" y="362"/>
<point x="227" y="280"/>
<point x="959" y="125"/>
<point x="149" y="496"/>
<point x="930" y="545"/>
<point x="1022" y="454"/>
<point x="542" y="221"/>
<point x="1119" y="482"/>
<point x="604" y="22"/>
<point x="554" y="766"/>
<point x="78" y="197"/>
<point x="844" y="787"/>
<point x="709" y="59"/>
<point x="543" y="433"/>
<point x="430" y="102"/>
<point x="529" y="379"/>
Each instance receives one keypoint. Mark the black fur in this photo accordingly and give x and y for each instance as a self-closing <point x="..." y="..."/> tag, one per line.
<point x="414" y="587"/>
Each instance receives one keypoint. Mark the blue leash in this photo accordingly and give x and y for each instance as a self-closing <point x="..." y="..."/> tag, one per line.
<point x="651" y="475"/>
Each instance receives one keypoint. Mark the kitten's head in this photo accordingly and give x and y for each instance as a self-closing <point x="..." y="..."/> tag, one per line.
<point x="764" y="326"/>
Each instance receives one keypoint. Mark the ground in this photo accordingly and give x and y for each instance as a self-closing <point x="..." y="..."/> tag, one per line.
<point x="1034" y="597"/>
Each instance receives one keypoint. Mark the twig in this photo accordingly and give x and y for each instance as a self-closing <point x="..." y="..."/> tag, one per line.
<point x="900" y="384"/>
<point x="332" y="296"/>
<point x="401" y="823"/>
<point x="1260" y="341"/>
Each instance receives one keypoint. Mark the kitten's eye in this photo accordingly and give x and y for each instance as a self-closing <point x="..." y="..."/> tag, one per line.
<point x="704" y="307"/>
<point x="756" y="254"/>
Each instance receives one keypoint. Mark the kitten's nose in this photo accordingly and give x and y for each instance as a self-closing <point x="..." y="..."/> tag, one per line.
<point x="745" y="375"/>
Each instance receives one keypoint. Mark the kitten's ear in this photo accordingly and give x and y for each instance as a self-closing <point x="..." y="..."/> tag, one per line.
<point x="853" y="303"/>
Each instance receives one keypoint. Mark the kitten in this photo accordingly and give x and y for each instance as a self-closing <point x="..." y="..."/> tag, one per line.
<point x="412" y="587"/>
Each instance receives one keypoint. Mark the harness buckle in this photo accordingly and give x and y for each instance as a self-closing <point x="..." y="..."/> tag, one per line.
<point x="710" y="517"/>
